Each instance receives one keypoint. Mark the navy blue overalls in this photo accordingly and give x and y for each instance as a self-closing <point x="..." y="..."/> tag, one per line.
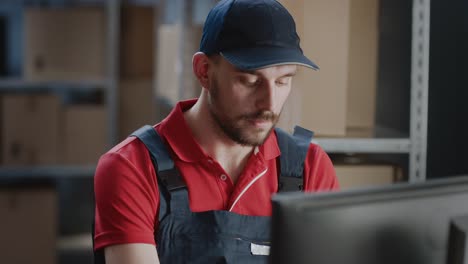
<point x="215" y="236"/>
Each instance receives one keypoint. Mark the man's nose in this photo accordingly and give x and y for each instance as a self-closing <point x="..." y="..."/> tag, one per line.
<point x="266" y="96"/>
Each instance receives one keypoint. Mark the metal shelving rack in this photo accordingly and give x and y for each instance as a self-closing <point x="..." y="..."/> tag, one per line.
<point x="416" y="144"/>
<point x="109" y="84"/>
<point x="419" y="89"/>
<point x="19" y="85"/>
<point x="364" y="145"/>
<point x="113" y="40"/>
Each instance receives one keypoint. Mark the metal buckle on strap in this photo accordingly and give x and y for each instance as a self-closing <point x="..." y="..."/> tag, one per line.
<point x="171" y="179"/>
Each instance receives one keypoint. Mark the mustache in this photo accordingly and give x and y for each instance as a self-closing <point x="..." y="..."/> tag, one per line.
<point x="264" y="115"/>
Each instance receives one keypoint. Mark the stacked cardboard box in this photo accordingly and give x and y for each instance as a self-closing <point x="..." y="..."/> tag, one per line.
<point x="28" y="224"/>
<point x="64" y="43"/>
<point x="136" y="92"/>
<point x="175" y="79"/>
<point x="191" y="86"/>
<point x="366" y="170"/>
<point x="341" y="37"/>
<point x="30" y="129"/>
<point x="83" y="133"/>
<point x="168" y="67"/>
<point x="39" y="130"/>
<point x="136" y="106"/>
<point x="69" y="44"/>
<point x="367" y="175"/>
<point x="137" y="40"/>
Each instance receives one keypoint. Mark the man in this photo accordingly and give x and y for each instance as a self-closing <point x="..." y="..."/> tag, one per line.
<point x="223" y="146"/>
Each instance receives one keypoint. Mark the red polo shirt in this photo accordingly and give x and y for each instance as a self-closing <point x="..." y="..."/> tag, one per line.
<point x="127" y="196"/>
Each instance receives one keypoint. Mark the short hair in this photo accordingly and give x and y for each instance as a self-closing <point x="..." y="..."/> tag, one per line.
<point x="215" y="58"/>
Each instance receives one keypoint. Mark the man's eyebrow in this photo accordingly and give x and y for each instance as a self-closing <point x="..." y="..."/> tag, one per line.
<point x="291" y="74"/>
<point x="254" y="72"/>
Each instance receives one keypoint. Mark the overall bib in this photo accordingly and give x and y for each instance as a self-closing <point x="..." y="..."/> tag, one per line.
<point x="215" y="236"/>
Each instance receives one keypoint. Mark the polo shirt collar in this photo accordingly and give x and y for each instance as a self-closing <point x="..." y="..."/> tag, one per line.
<point x="179" y="136"/>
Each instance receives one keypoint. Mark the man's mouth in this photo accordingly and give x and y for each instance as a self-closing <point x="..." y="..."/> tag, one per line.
<point x="262" y="120"/>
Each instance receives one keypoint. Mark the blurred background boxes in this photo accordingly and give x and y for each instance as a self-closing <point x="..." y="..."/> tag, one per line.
<point x="366" y="175"/>
<point x="30" y="129"/>
<point x="64" y="43"/>
<point x="136" y="106"/>
<point x="168" y="67"/>
<point x="68" y="44"/>
<point x="328" y="93"/>
<point x="28" y="224"/>
<point x="191" y="44"/>
<point x="39" y="130"/>
<point x="341" y="36"/>
<point x="174" y="78"/>
<point x="83" y="133"/>
<point x="137" y="40"/>
<point x="365" y="170"/>
<point x="137" y="68"/>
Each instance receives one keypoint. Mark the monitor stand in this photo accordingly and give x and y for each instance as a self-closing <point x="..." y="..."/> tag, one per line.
<point x="457" y="252"/>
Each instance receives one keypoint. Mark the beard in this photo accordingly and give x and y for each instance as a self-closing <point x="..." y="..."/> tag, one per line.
<point x="239" y="128"/>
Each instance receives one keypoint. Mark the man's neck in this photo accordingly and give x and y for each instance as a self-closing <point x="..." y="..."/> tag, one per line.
<point x="229" y="154"/>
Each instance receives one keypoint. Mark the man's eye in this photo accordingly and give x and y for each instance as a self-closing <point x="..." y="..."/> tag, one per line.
<point x="252" y="83"/>
<point x="282" y="81"/>
<point x="249" y="81"/>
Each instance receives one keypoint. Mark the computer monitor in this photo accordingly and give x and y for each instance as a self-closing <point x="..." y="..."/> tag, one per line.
<point x="458" y="244"/>
<point x="401" y="223"/>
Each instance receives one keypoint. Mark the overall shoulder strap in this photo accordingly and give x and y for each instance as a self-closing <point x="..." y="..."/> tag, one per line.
<point x="168" y="177"/>
<point x="293" y="153"/>
<point x="163" y="163"/>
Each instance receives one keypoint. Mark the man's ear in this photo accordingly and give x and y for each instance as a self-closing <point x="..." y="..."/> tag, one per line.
<point x="201" y="65"/>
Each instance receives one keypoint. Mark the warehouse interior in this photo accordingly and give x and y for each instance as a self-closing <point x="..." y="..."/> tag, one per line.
<point x="79" y="76"/>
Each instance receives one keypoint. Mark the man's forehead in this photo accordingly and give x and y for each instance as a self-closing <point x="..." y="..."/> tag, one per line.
<point x="282" y="69"/>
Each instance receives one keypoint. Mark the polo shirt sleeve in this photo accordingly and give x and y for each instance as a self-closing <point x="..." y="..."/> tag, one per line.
<point x="126" y="198"/>
<point x="319" y="173"/>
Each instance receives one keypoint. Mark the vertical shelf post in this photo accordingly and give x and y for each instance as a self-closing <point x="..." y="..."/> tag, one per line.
<point x="419" y="89"/>
<point x="112" y="62"/>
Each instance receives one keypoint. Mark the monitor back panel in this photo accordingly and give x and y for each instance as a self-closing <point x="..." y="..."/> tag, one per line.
<point x="403" y="224"/>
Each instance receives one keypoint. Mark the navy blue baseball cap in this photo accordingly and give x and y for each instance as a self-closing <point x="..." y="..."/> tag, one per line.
<point x="253" y="34"/>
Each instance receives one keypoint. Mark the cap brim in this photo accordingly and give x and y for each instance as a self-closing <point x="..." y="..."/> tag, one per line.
<point x="262" y="57"/>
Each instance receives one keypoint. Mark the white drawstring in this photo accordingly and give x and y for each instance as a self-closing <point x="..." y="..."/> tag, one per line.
<point x="247" y="187"/>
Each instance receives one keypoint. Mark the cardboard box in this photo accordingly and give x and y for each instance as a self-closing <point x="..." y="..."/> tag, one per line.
<point x="362" y="64"/>
<point x="341" y="37"/>
<point x="137" y="40"/>
<point x="28" y="225"/>
<point x="84" y="134"/>
<point x="168" y="67"/>
<point x="136" y="107"/>
<point x="64" y="43"/>
<point x="175" y="78"/>
<point x="30" y="129"/>
<point x="191" y="86"/>
<point x="366" y="175"/>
